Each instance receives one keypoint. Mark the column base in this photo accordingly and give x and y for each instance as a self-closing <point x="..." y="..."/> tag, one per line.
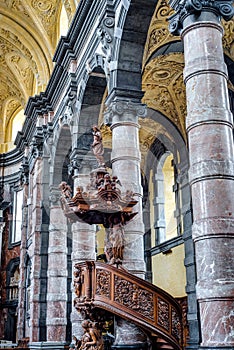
<point x="48" y="345"/>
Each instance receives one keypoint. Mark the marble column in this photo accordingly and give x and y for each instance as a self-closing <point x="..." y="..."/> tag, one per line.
<point x="126" y="159"/>
<point x="56" y="320"/>
<point x="83" y="235"/>
<point x="209" y="128"/>
<point x="33" y="248"/>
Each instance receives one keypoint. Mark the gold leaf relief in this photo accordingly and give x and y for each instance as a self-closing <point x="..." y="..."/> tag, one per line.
<point x="228" y="38"/>
<point x="158" y="33"/>
<point x="11" y="108"/>
<point x="17" y="6"/>
<point x="164" y="88"/>
<point x="23" y="73"/>
<point x="47" y="11"/>
<point x="9" y="42"/>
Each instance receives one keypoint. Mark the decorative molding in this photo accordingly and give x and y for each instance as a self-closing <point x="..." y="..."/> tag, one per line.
<point x="185" y="8"/>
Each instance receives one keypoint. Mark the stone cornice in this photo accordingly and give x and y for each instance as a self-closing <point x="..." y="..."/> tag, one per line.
<point x="185" y="8"/>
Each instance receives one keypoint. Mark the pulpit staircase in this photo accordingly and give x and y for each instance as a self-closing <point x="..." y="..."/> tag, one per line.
<point x="103" y="286"/>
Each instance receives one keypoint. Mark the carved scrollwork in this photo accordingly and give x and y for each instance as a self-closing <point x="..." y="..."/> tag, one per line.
<point x="163" y="314"/>
<point x="134" y="297"/>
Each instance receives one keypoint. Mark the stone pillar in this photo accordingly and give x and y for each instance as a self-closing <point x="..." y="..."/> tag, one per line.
<point x="209" y="128"/>
<point x="33" y="247"/>
<point x="56" y="319"/>
<point x="83" y="235"/>
<point x="126" y="165"/>
<point x="126" y="159"/>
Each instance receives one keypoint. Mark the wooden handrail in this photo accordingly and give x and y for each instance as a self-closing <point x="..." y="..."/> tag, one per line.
<point x="114" y="289"/>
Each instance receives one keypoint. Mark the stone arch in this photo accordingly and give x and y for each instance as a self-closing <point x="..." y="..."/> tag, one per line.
<point x="134" y="23"/>
<point x="62" y="148"/>
<point x="91" y="99"/>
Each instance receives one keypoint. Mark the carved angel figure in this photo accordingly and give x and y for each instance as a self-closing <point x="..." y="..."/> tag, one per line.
<point x="97" y="146"/>
<point x="91" y="339"/>
<point x="66" y="190"/>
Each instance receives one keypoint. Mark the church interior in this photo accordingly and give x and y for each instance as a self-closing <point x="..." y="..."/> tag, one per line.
<point x="116" y="174"/>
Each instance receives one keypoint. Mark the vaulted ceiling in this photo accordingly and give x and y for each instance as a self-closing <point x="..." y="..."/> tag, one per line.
<point x="29" y="33"/>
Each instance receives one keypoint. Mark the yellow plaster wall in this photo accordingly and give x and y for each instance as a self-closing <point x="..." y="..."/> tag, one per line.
<point x="169" y="271"/>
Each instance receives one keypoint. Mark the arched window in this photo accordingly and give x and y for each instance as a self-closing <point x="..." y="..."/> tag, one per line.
<point x="14" y="125"/>
<point x="163" y="200"/>
<point x="63" y="25"/>
<point x="17" y="216"/>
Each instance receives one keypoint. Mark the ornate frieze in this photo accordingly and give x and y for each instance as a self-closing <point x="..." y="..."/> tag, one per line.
<point x="186" y="8"/>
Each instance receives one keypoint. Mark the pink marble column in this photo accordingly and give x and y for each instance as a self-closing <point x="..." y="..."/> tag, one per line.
<point x="23" y="251"/>
<point x="209" y="128"/>
<point x="126" y="159"/>
<point x="83" y="240"/>
<point x="56" y="320"/>
<point x="34" y="239"/>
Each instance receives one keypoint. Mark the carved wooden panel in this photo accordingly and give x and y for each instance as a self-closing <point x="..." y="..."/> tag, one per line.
<point x="163" y="314"/>
<point x="132" y="296"/>
<point x="103" y="279"/>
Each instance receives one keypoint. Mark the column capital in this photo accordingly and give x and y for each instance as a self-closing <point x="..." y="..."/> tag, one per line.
<point x="210" y="9"/>
<point x="124" y="110"/>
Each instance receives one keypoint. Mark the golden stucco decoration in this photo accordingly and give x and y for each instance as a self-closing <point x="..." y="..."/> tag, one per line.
<point x="164" y="88"/>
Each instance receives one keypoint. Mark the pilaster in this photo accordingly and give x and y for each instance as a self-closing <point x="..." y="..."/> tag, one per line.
<point x="56" y="320"/>
<point x="210" y="137"/>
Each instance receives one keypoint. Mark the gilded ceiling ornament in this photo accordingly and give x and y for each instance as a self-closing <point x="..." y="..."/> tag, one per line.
<point x="158" y="33"/>
<point x="164" y="88"/>
<point x="228" y="38"/>
<point x="11" y="107"/>
<point x="23" y="73"/>
<point x="17" y="6"/>
<point x="47" y="11"/>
